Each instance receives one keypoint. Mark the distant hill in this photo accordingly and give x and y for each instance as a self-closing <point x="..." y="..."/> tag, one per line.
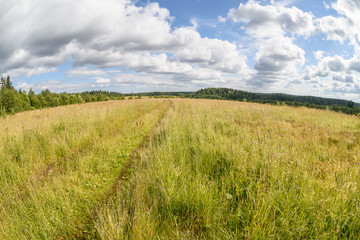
<point x="304" y="99"/>
<point x="233" y="94"/>
<point x="159" y="94"/>
<point x="338" y="105"/>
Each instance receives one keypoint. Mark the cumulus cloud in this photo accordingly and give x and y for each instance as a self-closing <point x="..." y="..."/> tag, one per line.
<point x="344" y="74"/>
<point x="349" y="8"/>
<point x="331" y="64"/>
<point x="38" y="36"/>
<point x="279" y="54"/>
<point x="344" y="27"/>
<point x="336" y="73"/>
<point x="354" y="64"/>
<point x="337" y="29"/>
<point x="277" y="58"/>
<point x="209" y="53"/>
<point x="41" y="34"/>
<point x="272" y="20"/>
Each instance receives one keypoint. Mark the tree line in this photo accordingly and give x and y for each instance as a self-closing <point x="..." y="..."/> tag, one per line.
<point x="338" y="105"/>
<point x="13" y="101"/>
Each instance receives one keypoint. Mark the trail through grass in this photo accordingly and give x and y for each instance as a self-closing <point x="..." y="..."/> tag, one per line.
<point x="229" y="170"/>
<point x="208" y="170"/>
<point x="58" y="164"/>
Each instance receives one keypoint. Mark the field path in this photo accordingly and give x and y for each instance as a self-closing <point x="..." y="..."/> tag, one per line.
<point x="235" y="170"/>
<point x="124" y="173"/>
<point x="54" y="174"/>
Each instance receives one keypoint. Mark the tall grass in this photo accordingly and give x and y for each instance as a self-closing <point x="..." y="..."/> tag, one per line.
<point x="209" y="170"/>
<point x="229" y="170"/>
<point x="57" y="165"/>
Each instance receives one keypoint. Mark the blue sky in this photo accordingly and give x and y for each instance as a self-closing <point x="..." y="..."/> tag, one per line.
<point x="301" y="47"/>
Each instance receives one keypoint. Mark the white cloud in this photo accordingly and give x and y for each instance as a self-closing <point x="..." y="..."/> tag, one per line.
<point x="354" y="64"/>
<point x="318" y="54"/>
<point x="221" y="19"/>
<point x="279" y="54"/>
<point x="326" y="5"/>
<point x="53" y="86"/>
<point x="208" y="53"/>
<point x="139" y="79"/>
<point x="115" y="33"/>
<point x="24" y="86"/>
<point x="348" y="8"/>
<point x="277" y="58"/>
<point x="272" y="20"/>
<point x="274" y="28"/>
<point x="85" y="71"/>
<point x="337" y="29"/>
<point x="58" y="85"/>
<point x="37" y="36"/>
<point x="103" y="80"/>
<point x="22" y="71"/>
<point x="335" y="74"/>
<point x="344" y="27"/>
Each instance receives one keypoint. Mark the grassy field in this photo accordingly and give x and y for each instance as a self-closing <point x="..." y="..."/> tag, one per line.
<point x="208" y="170"/>
<point x="57" y="165"/>
<point x="229" y="170"/>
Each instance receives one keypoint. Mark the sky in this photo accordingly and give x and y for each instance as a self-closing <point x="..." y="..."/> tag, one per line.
<point x="301" y="47"/>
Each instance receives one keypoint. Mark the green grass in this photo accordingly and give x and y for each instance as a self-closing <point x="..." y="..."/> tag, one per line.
<point x="227" y="170"/>
<point x="57" y="165"/>
<point x="201" y="169"/>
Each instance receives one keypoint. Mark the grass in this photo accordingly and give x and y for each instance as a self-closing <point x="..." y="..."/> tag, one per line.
<point x="58" y="164"/>
<point x="208" y="170"/>
<point x="228" y="170"/>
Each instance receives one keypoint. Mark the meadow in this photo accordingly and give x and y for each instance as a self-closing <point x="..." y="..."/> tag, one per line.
<point x="179" y="169"/>
<point x="58" y="164"/>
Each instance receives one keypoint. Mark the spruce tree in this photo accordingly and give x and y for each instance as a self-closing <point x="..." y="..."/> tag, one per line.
<point x="8" y="100"/>
<point x="2" y="83"/>
<point x="25" y="101"/>
<point x="8" y="83"/>
<point x="34" y="101"/>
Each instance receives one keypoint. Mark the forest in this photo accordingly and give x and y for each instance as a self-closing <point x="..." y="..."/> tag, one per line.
<point x="13" y="101"/>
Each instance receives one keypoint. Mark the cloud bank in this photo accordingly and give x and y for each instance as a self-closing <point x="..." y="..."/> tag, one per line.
<point x="121" y="43"/>
<point x="41" y="34"/>
<point x="279" y="60"/>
